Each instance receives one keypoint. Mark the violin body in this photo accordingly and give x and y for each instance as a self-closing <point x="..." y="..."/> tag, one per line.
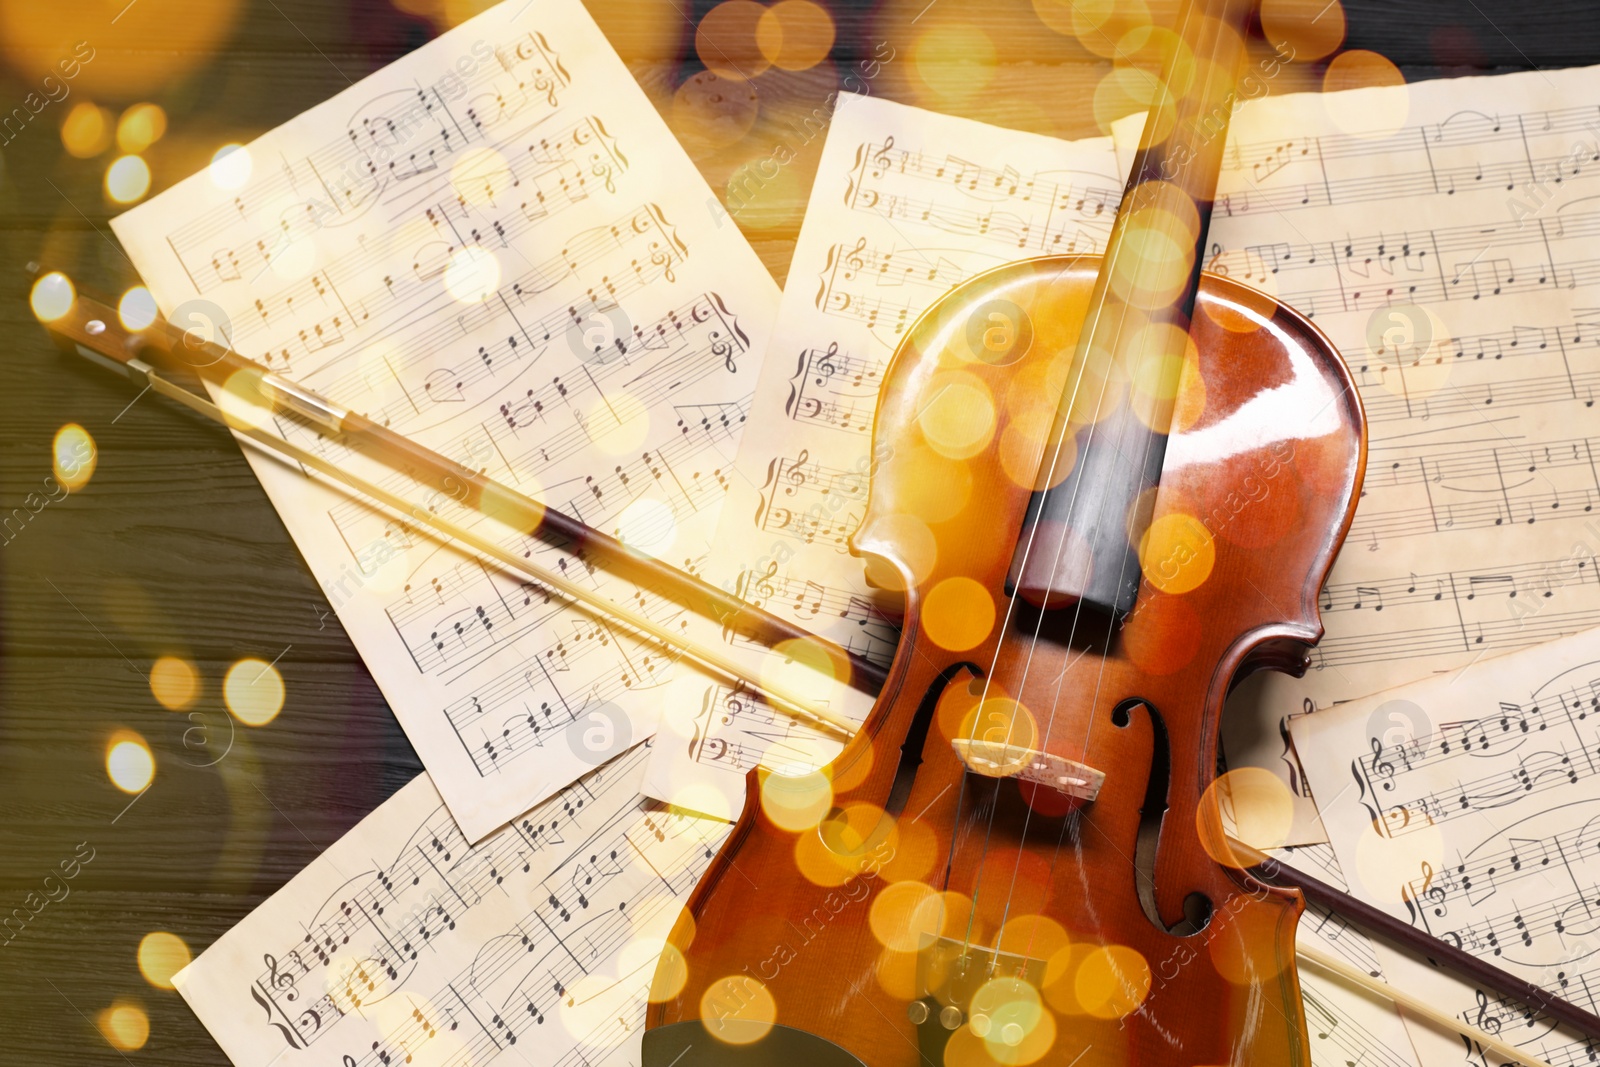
<point x="939" y="914"/>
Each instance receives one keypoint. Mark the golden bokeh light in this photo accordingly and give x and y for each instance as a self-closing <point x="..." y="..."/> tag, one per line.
<point x="136" y="309"/>
<point x="1311" y="28"/>
<point x="660" y="958"/>
<point x="958" y="614"/>
<point x="162" y="955"/>
<point x="351" y="980"/>
<point x="1060" y="975"/>
<point x="1191" y="402"/>
<point x="1410" y="348"/>
<point x="1177" y="553"/>
<point x="1010" y="1046"/>
<point x="473" y="274"/>
<point x="243" y="404"/>
<point x="1112" y="981"/>
<point x="73" y="456"/>
<point x="1369" y="115"/>
<point x="834" y="852"/>
<point x="801" y="666"/>
<point x="1034" y="936"/>
<point x="795" y="34"/>
<point x="1247" y="805"/>
<point x="904" y="914"/>
<point x="702" y="798"/>
<point x="796" y="802"/>
<point x="1166" y="362"/>
<point x="1003" y="733"/>
<point x="114" y="50"/>
<point x="52" y="296"/>
<point x="737" y="1010"/>
<point x="618" y="423"/>
<point x="957" y="416"/>
<point x="230" y="167"/>
<point x="915" y="851"/>
<point x="1125" y="91"/>
<point x="763" y="202"/>
<point x="140" y="126"/>
<point x="129" y="762"/>
<point x="480" y="175"/>
<point x="1100" y="24"/>
<point x="85" y="133"/>
<point x="710" y="111"/>
<point x="127" y="179"/>
<point x="647" y="524"/>
<point x="954" y="62"/>
<point x="1390" y="860"/>
<point x="936" y="489"/>
<point x="1026" y="459"/>
<point x="896" y="973"/>
<point x="1252" y="944"/>
<point x="124" y="1025"/>
<point x="1156" y="258"/>
<point x="293" y="258"/>
<point x="1004" y="1011"/>
<point x="1150" y="47"/>
<point x="174" y="682"/>
<point x="253" y="690"/>
<point x="726" y="40"/>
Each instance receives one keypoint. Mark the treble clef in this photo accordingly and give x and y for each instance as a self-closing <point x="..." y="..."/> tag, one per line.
<point x="1437" y="895"/>
<point x="1215" y="264"/>
<point x="1381" y="765"/>
<point x="1489" y="1024"/>
<point x="796" y="474"/>
<point x="880" y="159"/>
<point x="279" y="979"/>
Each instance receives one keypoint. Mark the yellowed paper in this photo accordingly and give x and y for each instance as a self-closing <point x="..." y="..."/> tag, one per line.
<point x="403" y="943"/>
<point x="1440" y="234"/>
<point x="906" y="204"/>
<point x="494" y="246"/>
<point x="1477" y="826"/>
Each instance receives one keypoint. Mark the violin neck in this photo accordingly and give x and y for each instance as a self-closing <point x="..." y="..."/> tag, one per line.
<point x="1081" y="536"/>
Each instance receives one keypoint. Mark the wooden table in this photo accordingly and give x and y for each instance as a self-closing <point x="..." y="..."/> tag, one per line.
<point x="172" y="548"/>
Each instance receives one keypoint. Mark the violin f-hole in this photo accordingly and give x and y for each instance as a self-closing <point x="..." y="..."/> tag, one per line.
<point x="905" y="772"/>
<point x="1197" y="906"/>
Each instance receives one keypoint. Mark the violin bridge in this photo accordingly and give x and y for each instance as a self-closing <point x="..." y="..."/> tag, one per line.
<point x="994" y="760"/>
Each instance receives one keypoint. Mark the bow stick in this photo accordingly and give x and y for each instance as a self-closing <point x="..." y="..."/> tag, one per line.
<point x="93" y="329"/>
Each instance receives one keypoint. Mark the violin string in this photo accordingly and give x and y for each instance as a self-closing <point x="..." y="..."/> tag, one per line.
<point x="1163" y="100"/>
<point x="1029" y="542"/>
<point x="1084" y="347"/>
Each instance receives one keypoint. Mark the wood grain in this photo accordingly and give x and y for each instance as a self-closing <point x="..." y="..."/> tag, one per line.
<point x="174" y="548"/>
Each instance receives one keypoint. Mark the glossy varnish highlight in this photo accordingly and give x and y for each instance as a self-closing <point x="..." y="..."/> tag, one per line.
<point x="1258" y="487"/>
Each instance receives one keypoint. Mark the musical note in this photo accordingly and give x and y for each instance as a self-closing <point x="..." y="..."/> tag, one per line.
<point x="494" y="247"/>
<point x="367" y="949"/>
<point x="1506" y="793"/>
<point x="927" y="202"/>
<point x="1480" y="492"/>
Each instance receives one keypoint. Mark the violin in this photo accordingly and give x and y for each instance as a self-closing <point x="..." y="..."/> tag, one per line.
<point x="1108" y="486"/>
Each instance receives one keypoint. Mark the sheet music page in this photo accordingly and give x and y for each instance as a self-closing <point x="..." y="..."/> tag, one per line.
<point x="1443" y="239"/>
<point x="1346" y="1025"/>
<point x="494" y="246"/>
<point x="1478" y="825"/>
<point x="906" y="204"/>
<point x="402" y="943"/>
